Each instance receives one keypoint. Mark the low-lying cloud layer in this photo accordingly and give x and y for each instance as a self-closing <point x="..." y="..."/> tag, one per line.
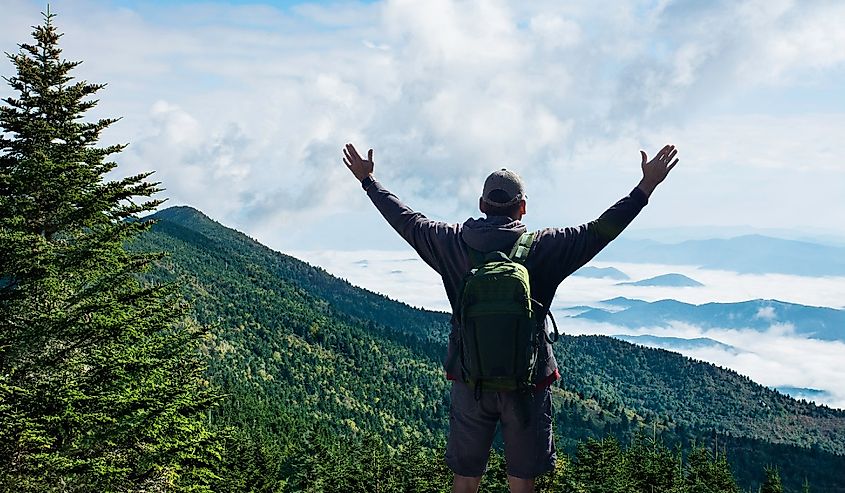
<point x="400" y="275"/>
<point x="377" y="270"/>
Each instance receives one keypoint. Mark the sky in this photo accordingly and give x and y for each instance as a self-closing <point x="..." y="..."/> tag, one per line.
<point x="242" y="108"/>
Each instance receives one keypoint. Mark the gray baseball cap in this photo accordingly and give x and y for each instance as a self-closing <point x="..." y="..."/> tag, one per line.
<point x="503" y="188"/>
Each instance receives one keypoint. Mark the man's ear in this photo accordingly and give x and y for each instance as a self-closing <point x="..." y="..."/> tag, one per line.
<point x="522" y="207"/>
<point x="482" y="206"/>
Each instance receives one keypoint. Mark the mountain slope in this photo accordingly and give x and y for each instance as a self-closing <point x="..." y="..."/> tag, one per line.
<point x="659" y="384"/>
<point x="290" y="343"/>
<point x="287" y="336"/>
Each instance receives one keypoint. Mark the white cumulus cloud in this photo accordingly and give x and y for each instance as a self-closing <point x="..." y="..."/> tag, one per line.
<point x="243" y="109"/>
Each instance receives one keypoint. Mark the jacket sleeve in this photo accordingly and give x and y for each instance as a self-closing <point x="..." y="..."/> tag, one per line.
<point x="565" y="250"/>
<point x="429" y="238"/>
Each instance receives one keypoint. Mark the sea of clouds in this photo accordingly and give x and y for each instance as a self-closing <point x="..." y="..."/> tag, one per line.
<point x="401" y="275"/>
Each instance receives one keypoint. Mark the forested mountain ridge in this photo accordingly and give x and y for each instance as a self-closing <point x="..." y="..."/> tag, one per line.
<point x="289" y="342"/>
<point x="355" y="301"/>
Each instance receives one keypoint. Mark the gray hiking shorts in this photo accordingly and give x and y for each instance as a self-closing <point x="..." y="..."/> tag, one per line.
<point x="526" y="424"/>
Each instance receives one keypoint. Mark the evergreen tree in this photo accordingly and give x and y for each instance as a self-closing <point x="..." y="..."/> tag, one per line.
<point x="101" y="380"/>
<point x="772" y="483"/>
<point x="706" y="472"/>
<point x="650" y="465"/>
<point x="600" y="466"/>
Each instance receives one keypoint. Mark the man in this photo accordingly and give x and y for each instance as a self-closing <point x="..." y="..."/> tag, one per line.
<point x="554" y="254"/>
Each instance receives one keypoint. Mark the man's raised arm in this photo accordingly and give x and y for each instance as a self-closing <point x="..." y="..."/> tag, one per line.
<point x="576" y="246"/>
<point x="427" y="237"/>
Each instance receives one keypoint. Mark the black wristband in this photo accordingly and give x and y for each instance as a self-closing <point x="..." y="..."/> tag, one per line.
<point x="367" y="181"/>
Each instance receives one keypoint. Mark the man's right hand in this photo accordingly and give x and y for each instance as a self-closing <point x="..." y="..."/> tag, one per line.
<point x="656" y="170"/>
<point x="359" y="167"/>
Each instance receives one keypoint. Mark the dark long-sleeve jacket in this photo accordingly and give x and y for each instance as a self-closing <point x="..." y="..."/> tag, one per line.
<point x="555" y="254"/>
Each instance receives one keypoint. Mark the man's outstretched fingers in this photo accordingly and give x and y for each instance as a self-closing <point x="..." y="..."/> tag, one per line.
<point x="645" y="157"/>
<point x="370" y="155"/>
<point x="353" y="152"/>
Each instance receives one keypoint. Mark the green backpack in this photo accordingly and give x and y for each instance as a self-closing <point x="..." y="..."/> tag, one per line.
<point x="500" y="330"/>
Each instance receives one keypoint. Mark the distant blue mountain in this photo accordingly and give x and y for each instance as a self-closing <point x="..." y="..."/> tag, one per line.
<point x="622" y="302"/>
<point x="809" y="321"/>
<point x="751" y="254"/>
<point x="676" y="343"/>
<point x="670" y="280"/>
<point x="611" y="305"/>
<point x="601" y="273"/>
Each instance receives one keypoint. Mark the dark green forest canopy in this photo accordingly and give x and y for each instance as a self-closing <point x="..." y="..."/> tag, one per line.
<point x="288" y="338"/>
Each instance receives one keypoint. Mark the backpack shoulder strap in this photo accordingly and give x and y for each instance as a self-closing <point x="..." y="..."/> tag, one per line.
<point x="522" y="247"/>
